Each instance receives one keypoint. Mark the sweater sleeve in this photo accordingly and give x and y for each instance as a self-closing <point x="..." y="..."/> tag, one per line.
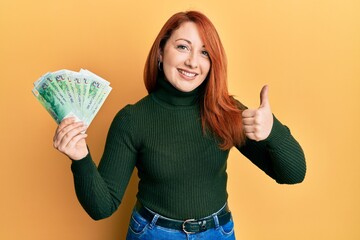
<point x="280" y="156"/>
<point x="100" y="189"/>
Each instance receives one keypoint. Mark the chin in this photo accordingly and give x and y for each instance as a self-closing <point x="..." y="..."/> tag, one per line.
<point x="185" y="89"/>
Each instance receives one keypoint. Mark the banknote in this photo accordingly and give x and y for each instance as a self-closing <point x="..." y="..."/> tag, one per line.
<point x="46" y="104"/>
<point x="99" y="102"/>
<point x="50" y="93"/>
<point x="78" y="89"/>
<point x="94" y="93"/>
<point x="66" y="93"/>
<point x="66" y="86"/>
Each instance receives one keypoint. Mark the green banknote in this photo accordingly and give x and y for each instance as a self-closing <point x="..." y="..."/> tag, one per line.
<point x="47" y="105"/>
<point x="50" y="93"/>
<point x="99" y="102"/>
<point x="78" y="89"/>
<point x="94" y="93"/>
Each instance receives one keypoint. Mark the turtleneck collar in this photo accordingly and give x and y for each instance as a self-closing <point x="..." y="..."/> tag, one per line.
<point x="167" y="93"/>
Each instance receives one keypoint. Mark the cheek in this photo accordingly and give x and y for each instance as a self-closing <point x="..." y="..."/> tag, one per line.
<point x="170" y="57"/>
<point x="206" y="68"/>
<point x="168" y="63"/>
<point x="167" y="68"/>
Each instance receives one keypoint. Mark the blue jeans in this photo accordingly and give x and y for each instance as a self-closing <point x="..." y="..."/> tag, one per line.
<point x="141" y="229"/>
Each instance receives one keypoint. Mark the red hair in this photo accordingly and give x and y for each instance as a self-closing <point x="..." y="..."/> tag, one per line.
<point x="220" y="112"/>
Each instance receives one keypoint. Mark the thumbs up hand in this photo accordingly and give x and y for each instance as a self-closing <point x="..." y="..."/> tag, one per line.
<point x="258" y="122"/>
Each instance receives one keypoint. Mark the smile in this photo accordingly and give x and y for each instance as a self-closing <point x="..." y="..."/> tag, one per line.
<point x="187" y="74"/>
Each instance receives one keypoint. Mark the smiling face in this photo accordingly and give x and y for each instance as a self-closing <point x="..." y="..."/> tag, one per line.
<point x="186" y="62"/>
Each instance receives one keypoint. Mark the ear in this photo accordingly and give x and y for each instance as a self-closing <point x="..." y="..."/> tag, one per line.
<point x="160" y="57"/>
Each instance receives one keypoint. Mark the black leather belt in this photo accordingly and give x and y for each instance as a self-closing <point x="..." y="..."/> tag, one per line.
<point x="188" y="226"/>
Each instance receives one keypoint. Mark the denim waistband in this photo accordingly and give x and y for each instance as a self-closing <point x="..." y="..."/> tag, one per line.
<point x="219" y="218"/>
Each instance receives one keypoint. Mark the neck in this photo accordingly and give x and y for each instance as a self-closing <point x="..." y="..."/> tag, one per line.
<point x="169" y="94"/>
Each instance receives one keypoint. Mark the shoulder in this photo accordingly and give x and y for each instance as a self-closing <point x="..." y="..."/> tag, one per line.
<point x="126" y="122"/>
<point x="132" y="111"/>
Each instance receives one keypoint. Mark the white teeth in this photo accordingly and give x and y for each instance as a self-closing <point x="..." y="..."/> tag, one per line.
<point x="187" y="73"/>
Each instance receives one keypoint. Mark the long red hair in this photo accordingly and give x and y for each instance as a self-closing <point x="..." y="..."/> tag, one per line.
<point x="220" y="112"/>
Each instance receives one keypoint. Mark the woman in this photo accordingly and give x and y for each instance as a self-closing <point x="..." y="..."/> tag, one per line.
<point x="178" y="137"/>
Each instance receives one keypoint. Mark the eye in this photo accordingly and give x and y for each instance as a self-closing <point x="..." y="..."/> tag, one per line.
<point x="205" y="53"/>
<point x="182" y="47"/>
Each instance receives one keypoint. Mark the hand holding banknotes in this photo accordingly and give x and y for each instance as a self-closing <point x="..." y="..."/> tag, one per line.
<point x="73" y="99"/>
<point x="70" y="137"/>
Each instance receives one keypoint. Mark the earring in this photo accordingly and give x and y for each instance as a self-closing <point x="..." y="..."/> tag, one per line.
<point x="159" y="66"/>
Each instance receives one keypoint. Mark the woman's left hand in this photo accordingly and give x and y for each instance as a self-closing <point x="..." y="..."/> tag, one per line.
<point x="258" y="122"/>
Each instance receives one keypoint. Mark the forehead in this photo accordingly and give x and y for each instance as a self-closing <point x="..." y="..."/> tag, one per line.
<point x="188" y="31"/>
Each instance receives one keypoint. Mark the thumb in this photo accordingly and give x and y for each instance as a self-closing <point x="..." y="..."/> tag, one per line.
<point x="264" y="98"/>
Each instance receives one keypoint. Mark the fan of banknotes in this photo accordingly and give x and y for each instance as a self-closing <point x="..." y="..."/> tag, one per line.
<point x="66" y="93"/>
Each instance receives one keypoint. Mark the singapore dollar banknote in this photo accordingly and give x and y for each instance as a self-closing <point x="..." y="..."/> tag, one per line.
<point x="67" y="93"/>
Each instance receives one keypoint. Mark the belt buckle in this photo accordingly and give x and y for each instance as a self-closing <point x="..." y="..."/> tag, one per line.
<point x="184" y="227"/>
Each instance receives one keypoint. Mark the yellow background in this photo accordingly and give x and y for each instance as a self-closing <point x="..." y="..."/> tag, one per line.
<point x="308" y="51"/>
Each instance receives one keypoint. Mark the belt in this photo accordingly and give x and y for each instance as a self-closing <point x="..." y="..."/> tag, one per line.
<point x="188" y="226"/>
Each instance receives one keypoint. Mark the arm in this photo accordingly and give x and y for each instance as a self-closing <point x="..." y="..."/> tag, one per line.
<point x="270" y="145"/>
<point x="100" y="190"/>
<point x="280" y="156"/>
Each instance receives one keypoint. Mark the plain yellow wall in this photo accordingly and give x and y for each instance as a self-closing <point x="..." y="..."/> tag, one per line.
<point x="308" y="51"/>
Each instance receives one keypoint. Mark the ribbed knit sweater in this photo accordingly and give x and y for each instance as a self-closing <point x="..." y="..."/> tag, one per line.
<point x="182" y="171"/>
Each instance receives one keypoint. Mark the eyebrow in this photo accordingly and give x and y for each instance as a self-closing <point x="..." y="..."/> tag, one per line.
<point x="179" y="39"/>
<point x="186" y="40"/>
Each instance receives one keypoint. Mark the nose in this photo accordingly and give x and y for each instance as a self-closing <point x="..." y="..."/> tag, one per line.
<point x="192" y="61"/>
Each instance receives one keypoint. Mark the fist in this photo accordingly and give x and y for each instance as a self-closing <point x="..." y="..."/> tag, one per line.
<point x="258" y="122"/>
<point x="69" y="139"/>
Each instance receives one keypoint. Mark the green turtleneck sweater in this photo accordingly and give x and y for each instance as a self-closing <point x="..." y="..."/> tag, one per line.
<point x="182" y="172"/>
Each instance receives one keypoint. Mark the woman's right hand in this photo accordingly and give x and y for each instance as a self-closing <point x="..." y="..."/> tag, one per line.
<point x="70" y="139"/>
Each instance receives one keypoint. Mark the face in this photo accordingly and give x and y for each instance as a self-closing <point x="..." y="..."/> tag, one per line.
<point x="186" y="62"/>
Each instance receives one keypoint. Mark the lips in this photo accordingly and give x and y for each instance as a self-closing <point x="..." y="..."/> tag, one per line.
<point x="187" y="74"/>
